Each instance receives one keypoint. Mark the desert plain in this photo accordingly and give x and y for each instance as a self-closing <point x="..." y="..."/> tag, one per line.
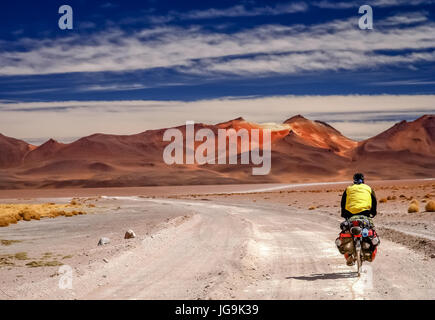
<point x="269" y="241"/>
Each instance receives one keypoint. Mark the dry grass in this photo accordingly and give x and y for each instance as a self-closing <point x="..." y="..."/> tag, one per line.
<point x="21" y="256"/>
<point x="10" y="259"/>
<point x="47" y="255"/>
<point x="36" y="264"/>
<point x="4" y="242"/>
<point x="12" y="213"/>
<point x="4" y="262"/>
<point x="430" y="206"/>
<point x="47" y="260"/>
<point x="413" y="208"/>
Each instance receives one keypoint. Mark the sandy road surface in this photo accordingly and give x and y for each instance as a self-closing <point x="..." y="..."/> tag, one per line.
<point x="235" y="251"/>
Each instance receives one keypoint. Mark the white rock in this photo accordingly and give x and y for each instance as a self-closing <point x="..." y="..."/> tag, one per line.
<point x="103" y="241"/>
<point x="129" y="234"/>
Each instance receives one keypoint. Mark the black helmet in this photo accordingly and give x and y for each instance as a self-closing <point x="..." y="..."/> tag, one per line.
<point x="358" y="178"/>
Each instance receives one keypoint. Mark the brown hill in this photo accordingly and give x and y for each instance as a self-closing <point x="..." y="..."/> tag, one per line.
<point x="406" y="150"/>
<point x="295" y="158"/>
<point x="302" y="150"/>
<point x="416" y="137"/>
<point x="12" y="151"/>
<point x="43" y="152"/>
<point x="320" y="134"/>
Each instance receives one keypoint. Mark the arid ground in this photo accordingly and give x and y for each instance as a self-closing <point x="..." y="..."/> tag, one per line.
<point x="209" y="242"/>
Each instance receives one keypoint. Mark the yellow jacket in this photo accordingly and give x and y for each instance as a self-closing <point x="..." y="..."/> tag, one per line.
<point x="358" y="199"/>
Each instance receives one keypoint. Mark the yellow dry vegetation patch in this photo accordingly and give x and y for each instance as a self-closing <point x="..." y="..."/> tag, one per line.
<point x="415" y="201"/>
<point x="430" y="206"/>
<point x="12" y="213"/>
<point x="36" y="264"/>
<point x="413" y="208"/>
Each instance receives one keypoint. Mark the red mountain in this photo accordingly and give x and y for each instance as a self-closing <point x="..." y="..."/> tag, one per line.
<point x="406" y="150"/>
<point x="415" y="137"/>
<point x="12" y="151"/>
<point x="302" y="150"/>
<point x="320" y="134"/>
<point x="43" y="152"/>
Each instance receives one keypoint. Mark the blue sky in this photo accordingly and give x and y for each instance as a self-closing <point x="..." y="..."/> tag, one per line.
<point x="166" y="57"/>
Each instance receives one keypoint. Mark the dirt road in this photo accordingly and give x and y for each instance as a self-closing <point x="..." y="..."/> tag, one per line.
<point x="244" y="251"/>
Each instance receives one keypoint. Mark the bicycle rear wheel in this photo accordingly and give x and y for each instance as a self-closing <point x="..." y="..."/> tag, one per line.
<point x="358" y="256"/>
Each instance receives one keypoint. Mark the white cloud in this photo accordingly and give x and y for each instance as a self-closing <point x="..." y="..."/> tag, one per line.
<point x="240" y="10"/>
<point x="405" y="19"/>
<point x="326" y="4"/>
<point x="122" y="87"/>
<point x="112" y="87"/>
<point x="243" y="11"/>
<point x="86" y="25"/>
<point x="362" y="130"/>
<point x="80" y="118"/>
<point x="108" y="5"/>
<point x="280" y="49"/>
<point x="409" y="82"/>
<point x="309" y="61"/>
<point x="392" y="3"/>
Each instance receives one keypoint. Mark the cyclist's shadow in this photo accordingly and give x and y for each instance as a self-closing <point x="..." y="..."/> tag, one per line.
<point x="326" y="276"/>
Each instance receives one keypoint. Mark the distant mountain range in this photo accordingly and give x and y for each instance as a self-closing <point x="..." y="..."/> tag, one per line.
<point x="302" y="150"/>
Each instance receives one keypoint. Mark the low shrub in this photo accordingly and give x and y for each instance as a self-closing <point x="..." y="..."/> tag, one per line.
<point x="430" y="206"/>
<point x="413" y="208"/>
